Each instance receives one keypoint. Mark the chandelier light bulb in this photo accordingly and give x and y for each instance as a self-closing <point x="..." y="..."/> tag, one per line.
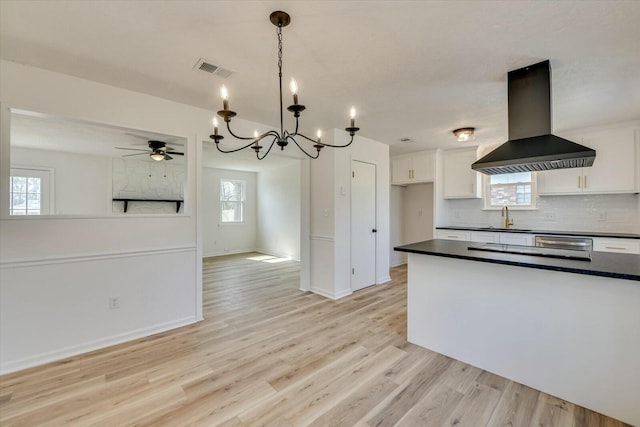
<point x="255" y="134"/>
<point x="224" y="93"/>
<point x="215" y="126"/>
<point x="294" y="90"/>
<point x="319" y="134"/>
<point x="352" y="113"/>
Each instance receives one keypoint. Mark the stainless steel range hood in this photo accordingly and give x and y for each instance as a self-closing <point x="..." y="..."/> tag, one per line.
<point x="531" y="146"/>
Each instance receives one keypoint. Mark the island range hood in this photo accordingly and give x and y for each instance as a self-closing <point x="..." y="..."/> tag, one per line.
<point x="531" y="146"/>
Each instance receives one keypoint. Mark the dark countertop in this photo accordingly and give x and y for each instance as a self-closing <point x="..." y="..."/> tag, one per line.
<point x="619" y="266"/>
<point x="547" y="232"/>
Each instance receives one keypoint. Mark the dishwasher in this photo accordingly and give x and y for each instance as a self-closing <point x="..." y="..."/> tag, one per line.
<point x="565" y="242"/>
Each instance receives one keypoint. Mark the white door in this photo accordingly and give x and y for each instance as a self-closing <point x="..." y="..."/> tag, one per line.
<point x="363" y="225"/>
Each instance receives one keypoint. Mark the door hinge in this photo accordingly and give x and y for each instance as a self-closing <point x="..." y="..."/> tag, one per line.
<point x="353" y="174"/>
<point x="353" y="271"/>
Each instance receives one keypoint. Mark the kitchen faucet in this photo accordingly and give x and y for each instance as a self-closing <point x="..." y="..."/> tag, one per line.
<point x="505" y="214"/>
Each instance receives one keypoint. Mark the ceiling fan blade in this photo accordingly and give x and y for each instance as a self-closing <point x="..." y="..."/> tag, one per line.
<point x="167" y="157"/>
<point x="134" y="149"/>
<point x="135" y="154"/>
<point x="177" y="153"/>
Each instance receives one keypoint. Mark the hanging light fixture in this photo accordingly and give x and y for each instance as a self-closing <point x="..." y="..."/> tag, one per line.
<point x="279" y="19"/>
<point x="157" y="155"/>
<point x="464" y="134"/>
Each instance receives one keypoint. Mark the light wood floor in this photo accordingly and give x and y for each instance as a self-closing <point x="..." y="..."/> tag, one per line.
<point x="268" y="354"/>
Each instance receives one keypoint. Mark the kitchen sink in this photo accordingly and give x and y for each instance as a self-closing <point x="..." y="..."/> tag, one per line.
<point x="502" y="229"/>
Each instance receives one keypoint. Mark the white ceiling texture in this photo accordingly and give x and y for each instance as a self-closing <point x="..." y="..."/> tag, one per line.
<point x="414" y="69"/>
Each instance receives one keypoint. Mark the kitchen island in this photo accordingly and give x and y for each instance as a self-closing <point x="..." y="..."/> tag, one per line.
<point x="569" y="328"/>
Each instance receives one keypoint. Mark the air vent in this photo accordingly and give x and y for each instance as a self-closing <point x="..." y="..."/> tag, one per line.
<point x="210" y="68"/>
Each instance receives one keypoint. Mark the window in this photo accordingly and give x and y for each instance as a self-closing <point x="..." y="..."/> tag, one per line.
<point x="29" y="190"/>
<point x="232" y="198"/>
<point x="515" y="190"/>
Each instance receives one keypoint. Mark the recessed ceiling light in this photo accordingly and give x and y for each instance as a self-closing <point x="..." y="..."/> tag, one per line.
<point x="464" y="134"/>
<point x="405" y="139"/>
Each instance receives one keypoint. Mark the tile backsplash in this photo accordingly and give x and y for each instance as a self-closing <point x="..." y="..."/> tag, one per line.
<point x="616" y="213"/>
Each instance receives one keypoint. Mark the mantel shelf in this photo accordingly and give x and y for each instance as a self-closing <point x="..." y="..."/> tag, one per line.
<point x="126" y="202"/>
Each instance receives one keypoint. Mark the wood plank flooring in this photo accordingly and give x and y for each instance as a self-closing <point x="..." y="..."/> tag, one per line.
<point x="270" y="355"/>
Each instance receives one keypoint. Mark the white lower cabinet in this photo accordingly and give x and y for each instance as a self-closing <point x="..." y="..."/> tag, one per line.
<point x="462" y="235"/>
<point x="517" y="239"/>
<point x="623" y="246"/>
<point x="485" y="236"/>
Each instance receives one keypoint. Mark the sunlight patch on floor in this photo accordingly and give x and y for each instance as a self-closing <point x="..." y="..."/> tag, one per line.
<point x="268" y="258"/>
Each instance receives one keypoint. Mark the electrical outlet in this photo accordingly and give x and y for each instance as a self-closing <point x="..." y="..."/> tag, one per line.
<point x="456" y="214"/>
<point x="549" y="216"/>
<point x="602" y="216"/>
<point x="114" y="303"/>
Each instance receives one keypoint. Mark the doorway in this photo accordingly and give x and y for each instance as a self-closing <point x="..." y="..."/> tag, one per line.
<point x="363" y="225"/>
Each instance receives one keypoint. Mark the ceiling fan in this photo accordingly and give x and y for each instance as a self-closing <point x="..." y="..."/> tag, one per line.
<point x="158" y="151"/>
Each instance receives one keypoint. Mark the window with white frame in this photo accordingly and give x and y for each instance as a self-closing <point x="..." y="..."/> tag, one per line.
<point x="515" y="190"/>
<point x="29" y="192"/>
<point x="232" y="200"/>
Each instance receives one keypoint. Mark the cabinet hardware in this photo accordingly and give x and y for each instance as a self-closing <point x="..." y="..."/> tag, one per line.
<point x="616" y="247"/>
<point x="453" y="237"/>
<point x="579" y="182"/>
<point x="585" y="182"/>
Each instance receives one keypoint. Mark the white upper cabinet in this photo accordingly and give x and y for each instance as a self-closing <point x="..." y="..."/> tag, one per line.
<point x="460" y="181"/>
<point x="615" y="169"/>
<point x="413" y="168"/>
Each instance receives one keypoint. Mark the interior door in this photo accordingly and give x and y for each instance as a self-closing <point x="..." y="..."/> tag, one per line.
<point x="363" y="225"/>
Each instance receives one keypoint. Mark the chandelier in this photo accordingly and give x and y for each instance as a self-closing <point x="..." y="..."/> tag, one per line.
<point x="279" y="19"/>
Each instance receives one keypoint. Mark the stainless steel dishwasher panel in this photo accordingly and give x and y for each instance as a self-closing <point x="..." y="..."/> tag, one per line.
<point x="564" y="242"/>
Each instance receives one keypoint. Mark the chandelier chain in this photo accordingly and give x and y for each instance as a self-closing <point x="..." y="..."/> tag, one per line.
<point x="279" y="31"/>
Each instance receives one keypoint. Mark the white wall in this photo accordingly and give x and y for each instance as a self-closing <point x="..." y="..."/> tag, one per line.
<point x="90" y="195"/>
<point x="223" y="239"/>
<point x="279" y="211"/>
<point x="331" y="213"/>
<point x="138" y="179"/>
<point x="56" y="275"/>
<point x="396" y="221"/>
<point x="412" y="214"/>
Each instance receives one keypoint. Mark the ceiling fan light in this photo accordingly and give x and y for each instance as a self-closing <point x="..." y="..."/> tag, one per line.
<point x="157" y="156"/>
<point x="464" y="134"/>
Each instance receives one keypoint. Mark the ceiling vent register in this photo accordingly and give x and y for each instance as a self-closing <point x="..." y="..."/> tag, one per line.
<point x="207" y="66"/>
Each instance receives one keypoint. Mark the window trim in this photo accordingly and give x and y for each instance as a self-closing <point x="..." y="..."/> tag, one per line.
<point x="486" y="195"/>
<point x="243" y="202"/>
<point x="47" y="184"/>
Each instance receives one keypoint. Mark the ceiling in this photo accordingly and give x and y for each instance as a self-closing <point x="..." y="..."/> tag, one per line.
<point x="415" y="69"/>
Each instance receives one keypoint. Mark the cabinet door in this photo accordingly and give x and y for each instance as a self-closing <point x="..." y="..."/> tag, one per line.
<point x="400" y="167"/>
<point x="625" y="246"/>
<point x="516" y="239"/>
<point x="462" y="235"/>
<point x="485" y="236"/>
<point x="562" y="181"/>
<point x="460" y="181"/>
<point x="423" y="167"/>
<point x="614" y="170"/>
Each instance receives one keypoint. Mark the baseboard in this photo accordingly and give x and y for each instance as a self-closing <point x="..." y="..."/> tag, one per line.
<point x="384" y="279"/>
<point x="233" y="252"/>
<point x="331" y="295"/>
<point x="398" y="265"/>
<point x="74" y="350"/>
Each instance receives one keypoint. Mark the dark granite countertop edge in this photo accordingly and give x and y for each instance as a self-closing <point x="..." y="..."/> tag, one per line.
<point x="545" y="232"/>
<point x="589" y="272"/>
